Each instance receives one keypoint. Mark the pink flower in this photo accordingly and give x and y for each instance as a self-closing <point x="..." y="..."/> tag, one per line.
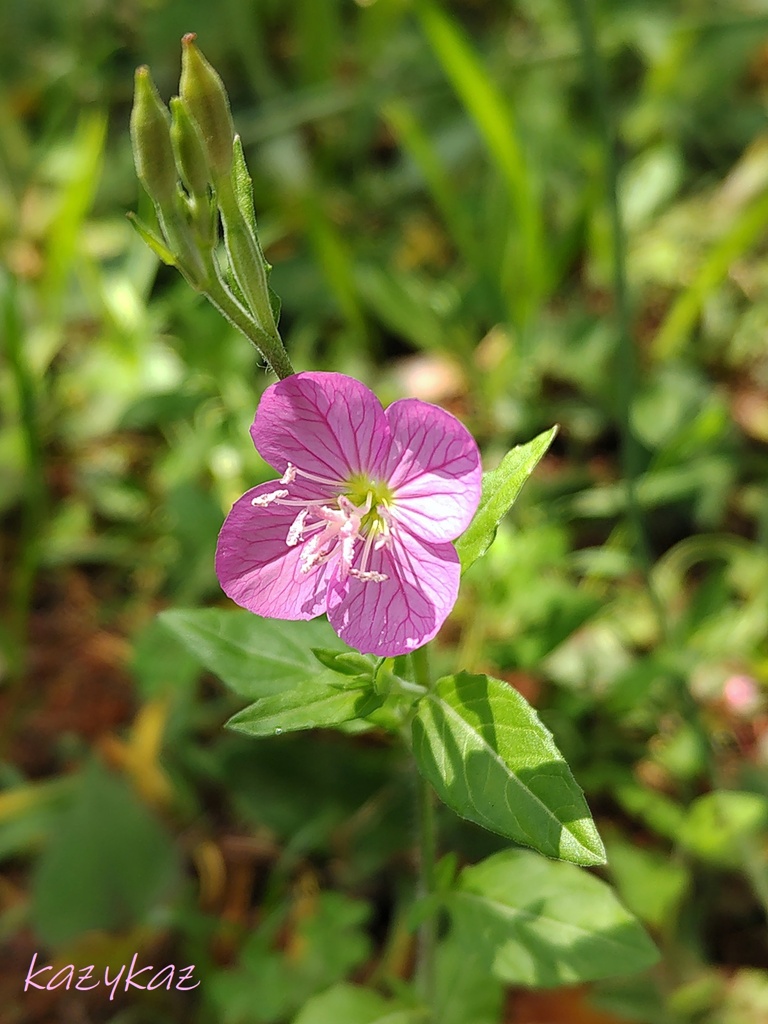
<point x="360" y="523"/>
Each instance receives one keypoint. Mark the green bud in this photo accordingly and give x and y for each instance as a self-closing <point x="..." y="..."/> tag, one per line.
<point x="346" y="663"/>
<point x="189" y="151"/>
<point x="150" y="134"/>
<point x="206" y="100"/>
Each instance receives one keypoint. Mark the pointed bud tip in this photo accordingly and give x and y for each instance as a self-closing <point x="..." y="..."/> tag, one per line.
<point x="150" y="124"/>
<point x="188" y="38"/>
<point x="205" y="99"/>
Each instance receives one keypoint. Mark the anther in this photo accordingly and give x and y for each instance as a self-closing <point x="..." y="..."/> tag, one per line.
<point x="368" y="577"/>
<point x="297" y="528"/>
<point x="261" y="500"/>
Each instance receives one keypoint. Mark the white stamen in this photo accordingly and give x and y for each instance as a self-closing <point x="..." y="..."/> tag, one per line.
<point x="349" y="533"/>
<point x="361" y="572"/>
<point x="297" y="528"/>
<point x="261" y="500"/>
<point x="384" y="527"/>
<point x="337" y="485"/>
<point x="368" y="577"/>
<point x="334" y="528"/>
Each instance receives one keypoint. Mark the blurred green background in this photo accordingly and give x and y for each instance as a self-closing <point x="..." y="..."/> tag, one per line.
<point x="433" y="184"/>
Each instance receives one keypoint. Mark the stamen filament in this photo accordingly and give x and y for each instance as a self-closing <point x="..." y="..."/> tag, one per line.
<point x="293" y="471"/>
<point x="339" y="523"/>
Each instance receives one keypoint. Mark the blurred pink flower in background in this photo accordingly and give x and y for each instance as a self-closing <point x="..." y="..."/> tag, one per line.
<point x="742" y="694"/>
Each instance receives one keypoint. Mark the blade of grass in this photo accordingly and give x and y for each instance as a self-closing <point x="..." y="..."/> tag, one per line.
<point x="625" y="361"/>
<point x="335" y="260"/>
<point x="418" y="146"/>
<point x="35" y="499"/>
<point x="75" y="202"/>
<point x="318" y="31"/>
<point x="527" y="280"/>
<point x="745" y="231"/>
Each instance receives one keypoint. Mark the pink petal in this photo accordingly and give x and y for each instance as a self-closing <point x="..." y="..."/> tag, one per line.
<point x="404" y="611"/>
<point x="433" y="468"/>
<point x="327" y="424"/>
<point x="258" y="570"/>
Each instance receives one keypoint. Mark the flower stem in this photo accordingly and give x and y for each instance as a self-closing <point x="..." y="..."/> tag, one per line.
<point x="270" y="348"/>
<point x="427" y="837"/>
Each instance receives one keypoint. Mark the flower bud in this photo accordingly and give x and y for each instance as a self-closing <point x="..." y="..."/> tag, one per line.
<point x="150" y="134"/>
<point x="205" y="97"/>
<point x="189" y="150"/>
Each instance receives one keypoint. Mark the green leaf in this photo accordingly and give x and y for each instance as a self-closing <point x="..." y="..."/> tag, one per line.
<point x="160" y="249"/>
<point x="352" y="1004"/>
<point x="742" y="233"/>
<point x="161" y="663"/>
<point x="500" y="490"/>
<point x="722" y="827"/>
<point x="30" y="813"/>
<point x="311" y="706"/>
<point x="346" y="663"/>
<point x="107" y="866"/>
<point x="243" y="187"/>
<point x="465" y="989"/>
<point x="329" y="940"/>
<point x="651" y="883"/>
<point x="543" y="924"/>
<point x="255" y="657"/>
<point x="489" y="757"/>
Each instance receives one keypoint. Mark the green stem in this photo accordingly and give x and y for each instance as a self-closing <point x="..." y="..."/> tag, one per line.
<point x="427" y="835"/>
<point x="247" y="265"/>
<point x="271" y="349"/>
<point x="626" y="371"/>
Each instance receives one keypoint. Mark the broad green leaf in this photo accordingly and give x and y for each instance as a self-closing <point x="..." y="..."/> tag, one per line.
<point x="489" y="757"/>
<point x="307" y="707"/>
<point x="651" y="883"/>
<point x="500" y="490"/>
<point x="465" y="989"/>
<point x="543" y="924"/>
<point x="351" y="1004"/>
<point x="656" y="810"/>
<point x="256" y="657"/>
<point x="722" y="827"/>
<point x="161" y="663"/>
<point x="108" y="866"/>
<point x="330" y="940"/>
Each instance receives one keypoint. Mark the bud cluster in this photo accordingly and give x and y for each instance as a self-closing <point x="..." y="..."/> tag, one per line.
<point x="191" y="164"/>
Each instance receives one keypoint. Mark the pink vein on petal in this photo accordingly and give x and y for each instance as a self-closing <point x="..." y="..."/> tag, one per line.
<point x="309" y="420"/>
<point x="434" y="470"/>
<point x="256" y="568"/>
<point x="407" y="609"/>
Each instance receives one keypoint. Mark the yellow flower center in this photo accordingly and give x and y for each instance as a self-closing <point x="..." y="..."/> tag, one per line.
<point x="359" y="488"/>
